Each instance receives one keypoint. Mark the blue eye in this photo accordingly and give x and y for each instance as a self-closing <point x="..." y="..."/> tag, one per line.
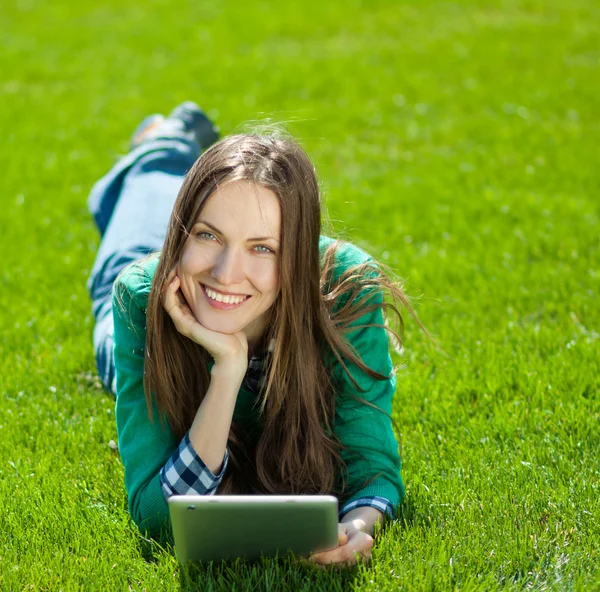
<point x="206" y="235"/>
<point x="263" y="249"/>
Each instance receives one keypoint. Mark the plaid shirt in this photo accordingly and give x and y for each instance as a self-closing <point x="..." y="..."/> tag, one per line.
<point x="186" y="474"/>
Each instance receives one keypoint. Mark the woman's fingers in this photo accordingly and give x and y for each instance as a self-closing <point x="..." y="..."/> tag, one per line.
<point x="170" y="300"/>
<point x="323" y="556"/>
<point x="345" y="557"/>
<point x="168" y="283"/>
<point x="177" y="308"/>
<point x="352" y="547"/>
<point x="168" y="293"/>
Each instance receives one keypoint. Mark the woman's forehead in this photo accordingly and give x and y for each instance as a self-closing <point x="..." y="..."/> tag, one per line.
<point x="245" y="208"/>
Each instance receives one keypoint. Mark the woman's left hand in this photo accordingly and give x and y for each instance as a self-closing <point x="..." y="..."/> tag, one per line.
<point x="353" y="545"/>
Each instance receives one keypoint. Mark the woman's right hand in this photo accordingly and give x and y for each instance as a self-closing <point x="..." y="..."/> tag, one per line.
<point x="229" y="350"/>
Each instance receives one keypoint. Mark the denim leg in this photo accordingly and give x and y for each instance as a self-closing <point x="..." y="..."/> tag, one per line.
<point x="131" y="206"/>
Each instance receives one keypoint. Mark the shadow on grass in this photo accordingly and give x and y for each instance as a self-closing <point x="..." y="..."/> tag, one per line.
<point x="285" y="573"/>
<point x="152" y="550"/>
<point x="407" y="513"/>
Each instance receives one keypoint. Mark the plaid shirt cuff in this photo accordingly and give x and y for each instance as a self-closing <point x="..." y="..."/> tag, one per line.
<point x="186" y="474"/>
<point x="374" y="501"/>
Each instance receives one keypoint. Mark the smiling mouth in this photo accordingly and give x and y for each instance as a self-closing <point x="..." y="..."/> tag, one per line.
<point x="223" y="300"/>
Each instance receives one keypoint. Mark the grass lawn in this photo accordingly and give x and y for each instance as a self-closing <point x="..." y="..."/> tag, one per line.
<point x="455" y="141"/>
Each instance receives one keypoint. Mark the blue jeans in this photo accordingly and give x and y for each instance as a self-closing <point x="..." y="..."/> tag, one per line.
<point x="131" y="205"/>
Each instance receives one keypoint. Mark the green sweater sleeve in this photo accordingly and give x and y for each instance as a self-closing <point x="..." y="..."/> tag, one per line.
<point x="144" y="445"/>
<point x="365" y="432"/>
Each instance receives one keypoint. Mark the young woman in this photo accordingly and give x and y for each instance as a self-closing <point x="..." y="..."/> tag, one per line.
<point x="248" y="353"/>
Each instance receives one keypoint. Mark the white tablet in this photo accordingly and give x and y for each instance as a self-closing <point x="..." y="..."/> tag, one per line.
<point x="216" y="527"/>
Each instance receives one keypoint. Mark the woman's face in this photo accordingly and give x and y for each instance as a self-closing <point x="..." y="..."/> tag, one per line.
<point x="228" y="269"/>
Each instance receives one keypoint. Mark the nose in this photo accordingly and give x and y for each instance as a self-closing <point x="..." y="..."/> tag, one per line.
<point x="228" y="267"/>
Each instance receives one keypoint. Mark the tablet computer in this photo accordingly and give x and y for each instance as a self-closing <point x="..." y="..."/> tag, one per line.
<point x="217" y="527"/>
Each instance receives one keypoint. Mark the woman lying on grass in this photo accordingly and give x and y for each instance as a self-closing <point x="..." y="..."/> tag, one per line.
<point x="250" y="353"/>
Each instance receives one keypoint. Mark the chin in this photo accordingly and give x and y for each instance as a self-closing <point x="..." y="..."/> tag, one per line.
<point x="219" y="325"/>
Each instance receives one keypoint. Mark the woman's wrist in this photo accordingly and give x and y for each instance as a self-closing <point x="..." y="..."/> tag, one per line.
<point x="229" y="372"/>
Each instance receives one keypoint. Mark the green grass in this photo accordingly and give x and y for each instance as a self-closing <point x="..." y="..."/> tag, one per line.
<point x="458" y="142"/>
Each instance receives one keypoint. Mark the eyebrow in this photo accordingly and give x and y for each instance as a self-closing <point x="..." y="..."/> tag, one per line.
<point x="258" y="238"/>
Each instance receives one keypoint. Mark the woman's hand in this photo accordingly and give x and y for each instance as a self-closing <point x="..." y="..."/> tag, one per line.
<point x="224" y="348"/>
<point x="353" y="545"/>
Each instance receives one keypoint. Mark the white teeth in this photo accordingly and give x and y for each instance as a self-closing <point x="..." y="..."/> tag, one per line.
<point x="225" y="299"/>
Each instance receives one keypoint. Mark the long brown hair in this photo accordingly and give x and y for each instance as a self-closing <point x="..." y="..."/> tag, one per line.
<point x="297" y="450"/>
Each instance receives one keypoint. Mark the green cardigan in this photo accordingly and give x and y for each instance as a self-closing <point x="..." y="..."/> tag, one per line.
<point x="146" y="446"/>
